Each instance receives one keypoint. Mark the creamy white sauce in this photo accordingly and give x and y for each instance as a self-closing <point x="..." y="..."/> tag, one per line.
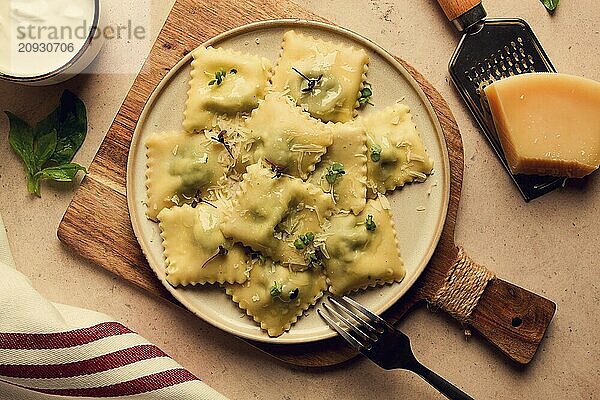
<point x="40" y="36"/>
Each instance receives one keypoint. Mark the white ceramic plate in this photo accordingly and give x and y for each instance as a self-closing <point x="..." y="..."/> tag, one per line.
<point x="419" y="210"/>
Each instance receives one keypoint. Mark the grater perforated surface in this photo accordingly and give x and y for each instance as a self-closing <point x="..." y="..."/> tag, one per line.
<point x="492" y="50"/>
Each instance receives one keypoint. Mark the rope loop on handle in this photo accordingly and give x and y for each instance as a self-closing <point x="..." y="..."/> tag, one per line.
<point x="462" y="287"/>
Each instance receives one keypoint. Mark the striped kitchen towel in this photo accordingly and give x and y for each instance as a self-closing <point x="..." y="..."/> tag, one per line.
<point x="54" y="351"/>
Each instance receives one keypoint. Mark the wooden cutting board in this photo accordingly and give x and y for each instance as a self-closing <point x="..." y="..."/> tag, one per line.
<point x="97" y="225"/>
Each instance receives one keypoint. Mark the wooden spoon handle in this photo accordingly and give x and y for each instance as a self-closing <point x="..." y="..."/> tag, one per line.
<point x="455" y="8"/>
<point x="513" y="319"/>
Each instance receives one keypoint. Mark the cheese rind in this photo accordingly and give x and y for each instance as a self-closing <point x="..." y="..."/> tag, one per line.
<point x="548" y="124"/>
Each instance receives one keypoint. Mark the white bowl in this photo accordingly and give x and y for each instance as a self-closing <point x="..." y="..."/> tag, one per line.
<point x="82" y="59"/>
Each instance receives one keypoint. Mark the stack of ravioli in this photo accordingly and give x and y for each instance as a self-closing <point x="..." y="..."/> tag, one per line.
<point x="274" y="188"/>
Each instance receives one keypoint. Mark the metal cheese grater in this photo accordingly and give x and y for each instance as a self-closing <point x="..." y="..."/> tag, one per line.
<point x="492" y="49"/>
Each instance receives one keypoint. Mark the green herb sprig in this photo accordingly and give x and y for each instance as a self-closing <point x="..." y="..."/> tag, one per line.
<point x="312" y="255"/>
<point x="277" y="169"/>
<point x="370" y="223"/>
<point x="304" y="240"/>
<point x="375" y="153"/>
<point x="365" y="94"/>
<point x="313" y="258"/>
<point x="221" y="251"/>
<point x="221" y="139"/>
<point x="220" y="76"/>
<point x="550" y="5"/>
<point x="197" y="199"/>
<point x="334" y="171"/>
<point x="310" y="82"/>
<point x="276" y="289"/>
<point x="48" y="148"/>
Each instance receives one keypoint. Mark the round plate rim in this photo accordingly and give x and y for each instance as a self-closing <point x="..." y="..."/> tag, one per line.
<point x="279" y="23"/>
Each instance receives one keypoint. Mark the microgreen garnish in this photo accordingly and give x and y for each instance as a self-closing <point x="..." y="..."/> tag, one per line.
<point x="219" y="76"/>
<point x="221" y="139"/>
<point x="277" y="169"/>
<point x="370" y="224"/>
<point x="197" y="199"/>
<point x="276" y="289"/>
<point x="221" y="251"/>
<point x="334" y="171"/>
<point x="313" y="258"/>
<point x="304" y="240"/>
<point x="375" y="153"/>
<point x="294" y="293"/>
<point x="47" y="148"/>
<point x="310" y="82"/>
<point x="312" y="255"/>
<point x="233" y="71"/>
<point x="365" y="94"/>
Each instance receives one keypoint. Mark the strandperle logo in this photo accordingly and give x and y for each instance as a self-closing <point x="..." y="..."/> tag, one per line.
<point x="127" y="31"/>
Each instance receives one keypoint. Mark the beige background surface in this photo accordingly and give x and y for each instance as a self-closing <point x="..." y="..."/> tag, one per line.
<point x="550" y="246"/>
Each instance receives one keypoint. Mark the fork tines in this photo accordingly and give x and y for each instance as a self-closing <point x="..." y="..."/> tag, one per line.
<point x="359" y="326"/>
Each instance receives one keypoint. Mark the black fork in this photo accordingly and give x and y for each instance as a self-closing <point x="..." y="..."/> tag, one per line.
<point x="383" y="344"/>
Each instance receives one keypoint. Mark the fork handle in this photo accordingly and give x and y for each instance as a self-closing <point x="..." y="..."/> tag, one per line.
<point x="442" y="385"/>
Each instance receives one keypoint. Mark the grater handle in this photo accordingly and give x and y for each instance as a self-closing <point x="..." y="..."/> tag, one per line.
<point x="455" y="8"/>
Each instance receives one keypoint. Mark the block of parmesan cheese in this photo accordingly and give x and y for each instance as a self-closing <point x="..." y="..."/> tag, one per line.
<point x="548" y="124"/>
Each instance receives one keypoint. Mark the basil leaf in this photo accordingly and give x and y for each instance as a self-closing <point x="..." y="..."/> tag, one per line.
<point x="71" y="128"/>
<point x="60" y="173"/>
<point x="44" y="139"/>
<point x="33" y="185"/>
<point x="20" y="137"/>
<point x="550" y="4"/>
<point x="43" y="148"/>
<point x="47" y="125"/>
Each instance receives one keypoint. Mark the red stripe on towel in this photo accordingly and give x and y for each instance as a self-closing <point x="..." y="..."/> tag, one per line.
<point x="94" y="365"/>
<point x="144" y="384"/>
<point x="60" y="340"/>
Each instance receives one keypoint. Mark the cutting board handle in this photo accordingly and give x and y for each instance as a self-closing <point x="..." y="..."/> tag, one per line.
<point x="513" y="319"/>
<point x="455" y="8"/>
<point x="510" y="317"/>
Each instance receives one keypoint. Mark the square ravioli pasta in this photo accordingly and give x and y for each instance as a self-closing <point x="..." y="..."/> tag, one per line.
<point x="182" y="166"/>
<point x="271" y="211"/>
<point x="362" y="250"/>
<point x="342" y="171"/>
<point x="224" y="84"/>
<point x="324" y="77"/>
<point x="276" y="296"/>
<point x="283" y="134"/>
<point x="195" y="249"/>
<point x="397" y="154"/>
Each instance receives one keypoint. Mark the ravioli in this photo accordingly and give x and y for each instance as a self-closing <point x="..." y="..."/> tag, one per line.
<point x="195" y="249"/>
<point x="276" y="296"/>
<point x="283" y="134"/>
<point x="181" y="166"/>
<point x="224" y="84"/>
<point x="338" y="72"/>
<point x="362" y="250"/>
<point x="273" y="189"/>
<point x="342" y="171"/>
<point x="396" y="153"/>
<point x="271" y="212"/>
